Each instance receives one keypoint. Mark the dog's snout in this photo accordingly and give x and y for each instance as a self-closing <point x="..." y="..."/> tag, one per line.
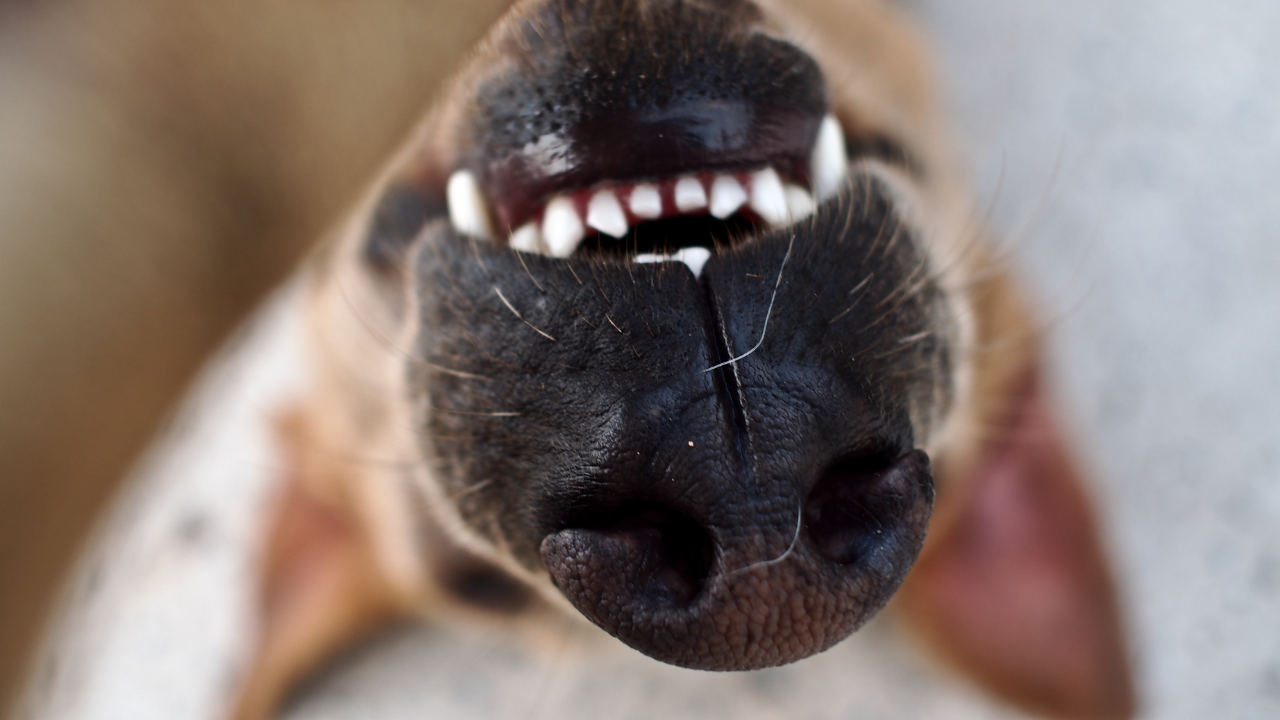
<point x="719" y="470"/>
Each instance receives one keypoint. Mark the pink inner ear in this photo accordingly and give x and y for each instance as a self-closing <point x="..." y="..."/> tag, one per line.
<point x="1018" y="592"/>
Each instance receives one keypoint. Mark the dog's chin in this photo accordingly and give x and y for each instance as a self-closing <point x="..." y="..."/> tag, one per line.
<point x="637" y="193"/>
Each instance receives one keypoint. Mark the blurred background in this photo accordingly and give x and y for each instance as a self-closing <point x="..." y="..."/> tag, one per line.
<point x="1128" y="153"/>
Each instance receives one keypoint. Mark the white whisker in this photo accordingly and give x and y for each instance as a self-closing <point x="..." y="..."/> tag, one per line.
<point x="767" y="313"/>
<point x="787" y="553"/>
<point x="516" y="312"/>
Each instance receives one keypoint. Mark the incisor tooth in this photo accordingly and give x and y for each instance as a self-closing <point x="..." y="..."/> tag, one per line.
<point x="468" y="209"/>
<point x="646" y="202"/>
<point x="727" y="196"/>
<point x="690" y="195"/>
<point x="527" y="238"/>
<point x="828" y="163"/>
<point x="604" y="213"/>
<point x="695" y="257"/>
<point x="767" y="198"/>
<point x="799" y="203"/>
<point x="562" y="229"/>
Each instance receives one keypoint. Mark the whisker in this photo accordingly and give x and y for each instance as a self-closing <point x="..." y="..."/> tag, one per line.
<point x="785" y="554"/>
<point x="512" y="308"/>
<point x="767" y="313"/>
<point x="470" y="489"/>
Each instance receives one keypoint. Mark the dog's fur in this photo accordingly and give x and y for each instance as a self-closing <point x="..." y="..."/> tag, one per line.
<point x="390" y="508"/>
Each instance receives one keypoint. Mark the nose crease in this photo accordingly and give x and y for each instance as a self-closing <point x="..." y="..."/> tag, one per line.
<point x="768" y="311"/>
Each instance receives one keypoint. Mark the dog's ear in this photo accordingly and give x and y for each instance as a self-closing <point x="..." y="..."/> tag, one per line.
<point x="1015" y="590"/>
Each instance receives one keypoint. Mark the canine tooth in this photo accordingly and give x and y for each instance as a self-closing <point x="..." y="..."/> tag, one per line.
<point x="604" y="213"/>
<point x="562" y="229"/>
<point x="800" y="203"/>
<point x="527" y="238"/>
<point x="646" y="202"/>
<point x="828" y="163"/>
<point x="727" y="196"/>
<point x="690" y="195"/>
<point x="468" y="209"/>
<point x="695" y="257"/>
<point x="767" y="197"/>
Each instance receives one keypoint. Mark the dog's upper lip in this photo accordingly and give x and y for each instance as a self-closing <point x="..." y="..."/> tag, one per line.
<point x="606" y="92"/>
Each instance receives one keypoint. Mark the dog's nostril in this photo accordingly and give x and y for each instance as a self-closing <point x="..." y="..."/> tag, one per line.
<point x="864" y="502"/>
<point x="649" y="553"/>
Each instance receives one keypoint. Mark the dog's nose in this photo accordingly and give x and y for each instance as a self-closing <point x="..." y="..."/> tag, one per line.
<point x="745" y="582"/>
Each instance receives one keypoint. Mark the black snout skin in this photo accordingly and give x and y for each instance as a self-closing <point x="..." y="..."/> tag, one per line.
<point x="716" y="493"/>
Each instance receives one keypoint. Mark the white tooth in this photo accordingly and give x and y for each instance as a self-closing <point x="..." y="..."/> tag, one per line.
<point x="561" y="227"/>
<point x="767" y="197"/>
<point x="468" y="210"/>
<point x="604" y="213"/>
<point x="646" y="202"/>
<point x="527" y="238"/>
<point x="695" y="257"/>
<point x="828" y="163"/>
<point x="799" y="203"/>
<point x="727" y="196"/>
<point x="690" y="195"/>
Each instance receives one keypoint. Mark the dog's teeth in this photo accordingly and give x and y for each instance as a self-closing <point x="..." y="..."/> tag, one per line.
<point x="727" y="196"/>
<point x="767" y="198"/>
<point x="468" y="209"/>
<point x="828" y="163"/>
<point x="800" y="203"/>
<point x="527" y="238"/>
<point x="646" y="202"/>
<point x="562" y="229"/>
<point x="690" y="195"/>
<point x="695" y="257"/>
<point x="604" y="213"/>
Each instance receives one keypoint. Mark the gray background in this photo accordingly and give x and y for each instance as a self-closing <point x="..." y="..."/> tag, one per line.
<point x="1129" y="152"/>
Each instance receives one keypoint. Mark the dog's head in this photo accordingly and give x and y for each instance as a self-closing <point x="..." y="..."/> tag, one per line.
<point x="682" y="343"/>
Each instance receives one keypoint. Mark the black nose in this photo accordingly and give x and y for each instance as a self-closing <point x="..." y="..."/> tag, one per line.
<point x="758" y="581"/>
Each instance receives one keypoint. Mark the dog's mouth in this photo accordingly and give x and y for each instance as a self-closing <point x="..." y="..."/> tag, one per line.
<point x="681" y="216"/>
<point x="655" y="133"/>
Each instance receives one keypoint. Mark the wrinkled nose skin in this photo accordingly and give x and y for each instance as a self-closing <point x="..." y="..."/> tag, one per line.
<point x="711" y="514"/>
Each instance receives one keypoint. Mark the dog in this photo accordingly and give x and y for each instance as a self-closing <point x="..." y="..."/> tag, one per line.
<point x="675" y="314"/>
